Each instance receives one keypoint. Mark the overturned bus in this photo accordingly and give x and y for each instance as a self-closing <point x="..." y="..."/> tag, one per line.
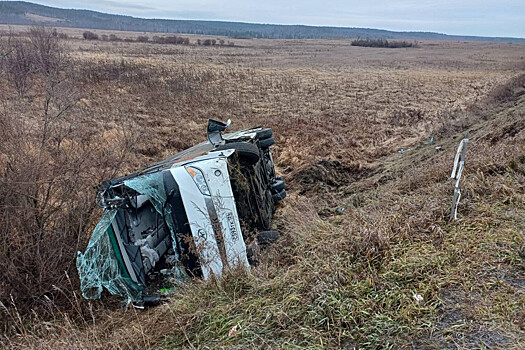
<point x="190" y="215"/>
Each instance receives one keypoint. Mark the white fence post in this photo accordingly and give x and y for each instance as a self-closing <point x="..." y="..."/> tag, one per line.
<point x="457" y="171"/>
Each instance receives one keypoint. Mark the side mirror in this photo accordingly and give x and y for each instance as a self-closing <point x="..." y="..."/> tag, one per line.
<point x="214" y="130"/>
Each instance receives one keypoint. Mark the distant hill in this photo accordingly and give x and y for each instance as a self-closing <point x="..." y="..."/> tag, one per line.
<point x="26" y="13"/>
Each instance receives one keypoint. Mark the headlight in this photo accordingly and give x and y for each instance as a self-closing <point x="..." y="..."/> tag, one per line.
<point x="200" y="181"/>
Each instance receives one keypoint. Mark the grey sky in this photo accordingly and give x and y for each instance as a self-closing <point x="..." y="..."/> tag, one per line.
<point x="467" y="17"/>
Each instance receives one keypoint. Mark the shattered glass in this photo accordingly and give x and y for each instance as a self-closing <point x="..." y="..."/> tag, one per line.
<point x="100" y="267"/>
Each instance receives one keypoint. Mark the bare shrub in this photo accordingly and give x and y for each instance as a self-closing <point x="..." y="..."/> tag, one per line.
<point x="381" y="43"/>
<point x="90" y="35"/>
<point x="46" y="211"/>
<point x="49" y="55"/>
<point x="170" y="40"/>
<point x="510" y="91"/>
<point x="104" y="37"/>
<point x="40" y="53"/>
<point x="46" y="163"/>
<point x="142" y="39"/>
<point x="113" y="37"/>
<point x="63" y="36"/>
<point x="100" y="71"/>
<point x="18" y="64"/>
<point x="174" y="40"/>
<point x="53" y="64"/>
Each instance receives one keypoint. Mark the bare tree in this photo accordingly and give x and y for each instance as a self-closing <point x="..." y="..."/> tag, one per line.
<point x="53" y="64"/>
<point x="47" y="160"/>
<point x="18" y="63"/>
<point x="4" y="51"/>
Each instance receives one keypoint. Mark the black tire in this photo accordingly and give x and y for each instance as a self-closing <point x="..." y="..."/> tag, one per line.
<point x="266" y="142"/>
<point x="265" y="133"/>
<point x="279" y="196"/>
<point x="267" y="237"/>
<point x="277" y="186"/>
<point x="247" y="151"/>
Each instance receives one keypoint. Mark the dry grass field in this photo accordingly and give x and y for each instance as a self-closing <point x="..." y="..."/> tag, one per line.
<point x="336" y="279"/>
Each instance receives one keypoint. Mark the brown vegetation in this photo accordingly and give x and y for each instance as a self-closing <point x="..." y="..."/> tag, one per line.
<point x="337" y="278"/>
<point x="382" y="43"/>
<point x="170" y="39"/>
<point x="48" y="160"/>
<point x="90" y="35"/>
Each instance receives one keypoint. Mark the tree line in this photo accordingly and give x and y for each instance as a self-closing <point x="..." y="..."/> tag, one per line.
<point x="171" y="39"/>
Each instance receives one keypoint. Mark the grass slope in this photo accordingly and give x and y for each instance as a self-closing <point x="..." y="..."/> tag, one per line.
<point x="348" y="280"/>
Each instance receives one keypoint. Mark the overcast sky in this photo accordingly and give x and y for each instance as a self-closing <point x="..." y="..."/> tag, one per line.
<point x="467" y="17"/>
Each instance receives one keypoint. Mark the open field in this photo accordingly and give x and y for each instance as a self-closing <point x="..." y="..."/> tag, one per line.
<point x="340" y="114"/>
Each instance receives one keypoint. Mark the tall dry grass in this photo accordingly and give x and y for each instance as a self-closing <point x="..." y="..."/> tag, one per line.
<point x="336" y="279"/>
